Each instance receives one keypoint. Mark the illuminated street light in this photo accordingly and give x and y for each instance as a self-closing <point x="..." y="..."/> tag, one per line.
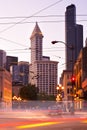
<point x="72" y="48"/>
<point x="14" y="98"/>
<point x="60" y="91"/>
<point x="69" y="46"/>
<point x="19" y="99"/>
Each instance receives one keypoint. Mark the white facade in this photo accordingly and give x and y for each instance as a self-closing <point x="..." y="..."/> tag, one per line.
<point x="36" y="44"/>
<point x="43" y="72"/>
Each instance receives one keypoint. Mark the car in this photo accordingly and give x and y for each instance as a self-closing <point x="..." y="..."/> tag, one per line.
<point x="53" y="111"/>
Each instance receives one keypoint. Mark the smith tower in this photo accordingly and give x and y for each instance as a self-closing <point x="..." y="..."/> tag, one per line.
<point x="43" y="71"/>
<point x="36" y="44"/>
<point x="73" y="36"/>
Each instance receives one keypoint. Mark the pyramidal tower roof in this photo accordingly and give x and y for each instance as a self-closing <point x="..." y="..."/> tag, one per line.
<point x="36" y="31"/>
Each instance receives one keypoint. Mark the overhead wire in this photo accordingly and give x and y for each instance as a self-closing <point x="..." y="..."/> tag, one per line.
<point x="41" y="10"/>
<point x="38" y="16"/>
<point x="47" y="16"/>
<point x="6" y="23"/>
<point x="33" y="15"/>
<point x="12" y="41"/>
<point x="15" y="50"/>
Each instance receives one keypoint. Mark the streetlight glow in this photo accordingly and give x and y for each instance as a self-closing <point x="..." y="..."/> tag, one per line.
<point x="72" y="48"/>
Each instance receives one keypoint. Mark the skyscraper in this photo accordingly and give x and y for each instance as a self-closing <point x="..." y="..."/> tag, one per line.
<point x="43" y="72"/>
<point x="11" y="60"/>
<point x="36" y="44"/>
<point x="23" y="72"/>
<point x="20" y="73"/>
<point x="2" y="59"/>
<point x="73" y="36"/>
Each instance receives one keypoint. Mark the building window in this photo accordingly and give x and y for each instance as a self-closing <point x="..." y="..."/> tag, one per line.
<point x="68" y="90"/>
<point x="69" y="84"/>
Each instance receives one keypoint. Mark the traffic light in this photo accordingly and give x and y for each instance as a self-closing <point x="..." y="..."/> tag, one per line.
<point x="73" y="80"/>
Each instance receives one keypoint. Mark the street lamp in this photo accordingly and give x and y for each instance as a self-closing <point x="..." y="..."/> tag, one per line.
<point x="60" y="92"/>
<point x="71" y="48"/>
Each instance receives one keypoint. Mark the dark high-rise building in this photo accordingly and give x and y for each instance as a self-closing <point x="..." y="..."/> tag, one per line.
<point x="20" y="73"/>
<point x="2" y="59"/>
<point x="73" y="36"/>
<point x="11" y="60"/>
<point x="23" y="72"/>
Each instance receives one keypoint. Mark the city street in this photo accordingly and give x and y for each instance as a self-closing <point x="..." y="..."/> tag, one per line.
<point x="38" y="121"/>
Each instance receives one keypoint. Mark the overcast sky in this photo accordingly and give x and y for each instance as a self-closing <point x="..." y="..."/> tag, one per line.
<point x="17" y="21"/>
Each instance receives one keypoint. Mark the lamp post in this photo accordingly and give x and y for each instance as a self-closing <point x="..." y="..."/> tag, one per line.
<point x="60" y="91"/>
<point x="71" y="48"/>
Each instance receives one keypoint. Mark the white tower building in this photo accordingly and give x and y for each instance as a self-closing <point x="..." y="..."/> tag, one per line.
<point x="43" y="72"/>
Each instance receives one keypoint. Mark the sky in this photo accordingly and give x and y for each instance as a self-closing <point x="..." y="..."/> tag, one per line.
<point x="17" y="21"/>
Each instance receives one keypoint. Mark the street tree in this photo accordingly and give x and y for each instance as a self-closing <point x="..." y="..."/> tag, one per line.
<point x="29" y="92"/>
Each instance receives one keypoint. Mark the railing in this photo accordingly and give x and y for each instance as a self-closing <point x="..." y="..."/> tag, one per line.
<point x="63" y="106"/>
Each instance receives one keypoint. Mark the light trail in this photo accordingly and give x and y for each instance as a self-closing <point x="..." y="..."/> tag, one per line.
<point x="18" y="123"/>
<point x="37" y="125"/>
<point x="84" y="121"/>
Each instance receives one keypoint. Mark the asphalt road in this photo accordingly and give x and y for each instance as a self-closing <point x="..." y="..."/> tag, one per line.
<point x="38" y="121"/>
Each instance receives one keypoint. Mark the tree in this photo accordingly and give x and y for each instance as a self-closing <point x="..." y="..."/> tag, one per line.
<point x="29" y="92"/>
